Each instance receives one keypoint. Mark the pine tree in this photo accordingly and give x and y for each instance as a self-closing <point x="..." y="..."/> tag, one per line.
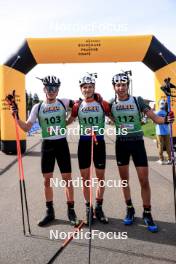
<point x="36" y="98"/>
<point x="30" y="102"/>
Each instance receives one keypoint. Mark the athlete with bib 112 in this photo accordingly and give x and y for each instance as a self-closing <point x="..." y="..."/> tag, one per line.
<point x="126" y="112"/>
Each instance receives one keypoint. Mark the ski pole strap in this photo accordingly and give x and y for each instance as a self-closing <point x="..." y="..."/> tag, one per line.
<point x="10" y="99"/>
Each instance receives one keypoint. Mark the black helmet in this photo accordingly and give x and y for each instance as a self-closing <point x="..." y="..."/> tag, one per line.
<point x="121" y="78"/>
<point x="50" y="80"/>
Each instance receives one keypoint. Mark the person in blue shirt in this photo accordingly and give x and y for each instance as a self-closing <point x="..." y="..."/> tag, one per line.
<point x="163" y="135"/>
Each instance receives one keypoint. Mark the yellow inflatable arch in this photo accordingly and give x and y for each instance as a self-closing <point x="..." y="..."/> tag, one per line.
<point x="146" y="49"/>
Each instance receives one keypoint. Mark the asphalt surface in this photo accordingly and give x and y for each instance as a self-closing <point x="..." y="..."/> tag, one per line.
<point x="141" y="246"/>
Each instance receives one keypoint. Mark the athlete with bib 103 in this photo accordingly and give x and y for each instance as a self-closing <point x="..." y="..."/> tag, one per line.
<point x="126" y="112"/>
<point x="91" y="111"/>
<point x="52" y="114"/>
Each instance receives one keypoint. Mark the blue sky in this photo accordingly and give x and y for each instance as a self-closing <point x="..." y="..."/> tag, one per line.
<point x="22" y="19"/>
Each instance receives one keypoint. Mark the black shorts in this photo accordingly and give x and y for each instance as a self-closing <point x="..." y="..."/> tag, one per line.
<point x="55" y="150"/>
<point x="135" y="149"/>
<point x="84" y="154"/>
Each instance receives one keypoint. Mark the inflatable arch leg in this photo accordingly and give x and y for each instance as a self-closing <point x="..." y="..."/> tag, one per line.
<point x="11" y="79"/>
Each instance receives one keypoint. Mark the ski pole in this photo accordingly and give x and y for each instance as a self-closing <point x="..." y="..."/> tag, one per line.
<point x="20" y="183"/>
<point x="90" y="197"/>
<point x="66" y="242"/>
<point x="172" y="154"/>
<point x="11" y="100"/>
<point x="167" y="90"/>
<point x="93" y="140"/>
<point x="22" y="180"/>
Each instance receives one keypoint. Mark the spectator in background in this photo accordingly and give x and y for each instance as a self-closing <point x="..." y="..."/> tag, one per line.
<point x="163" y="135"/>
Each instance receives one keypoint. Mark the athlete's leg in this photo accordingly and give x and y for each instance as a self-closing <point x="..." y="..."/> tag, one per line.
<point x="100" y="174"/>
<point x="140" y="160"/>
<point x="139" y="156"/>
<point x="123" y="157"/>
<point x="69" y="186"/>
<point x="85" y="175"/>
<point x="47" y="188"/>
<point x="168" y="149"/>
<point x="50" y="215"/>
<point x="64" y="162"/>
<point x="47" y="167"/>
<point x="160" y="141"/>
<point x="124" y="176"/>
<point x="100" y="163"/>
<point x="146" y="197"/>
<point x="145" y="186"/>
<point x="63" y="158"/>
<point x="99" y="212"/>
<point x="99" y="159"/>
<point x="84" y="160"/>
<point x="123" y="151"/>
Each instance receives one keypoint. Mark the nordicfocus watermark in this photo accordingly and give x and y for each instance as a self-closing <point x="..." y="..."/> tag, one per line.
<point x="80" y="130"/>
<point x="57" y="235"/>
<point x="94" y="182"/>
<point x="90" y="27"/>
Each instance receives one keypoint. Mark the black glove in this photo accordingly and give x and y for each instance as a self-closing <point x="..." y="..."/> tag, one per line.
<point x="10" y="98"/>
<point x="169" y="118"/>
<point x="14" y="108"/>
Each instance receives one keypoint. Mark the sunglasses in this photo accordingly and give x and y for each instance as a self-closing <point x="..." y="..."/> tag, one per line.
<point x="53" y="89"/>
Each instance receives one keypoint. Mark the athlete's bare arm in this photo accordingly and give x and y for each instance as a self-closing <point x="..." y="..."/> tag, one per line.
<point x="156" y="119"/>
<point x="70" y="120"/>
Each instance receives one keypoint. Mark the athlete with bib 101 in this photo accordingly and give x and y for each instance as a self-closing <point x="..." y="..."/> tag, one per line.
<point x="91" y="111"/>
<point x="126" y="112"/>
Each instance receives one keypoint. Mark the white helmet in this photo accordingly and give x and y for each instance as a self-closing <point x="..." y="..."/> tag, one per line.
<point x="89" y="78"/>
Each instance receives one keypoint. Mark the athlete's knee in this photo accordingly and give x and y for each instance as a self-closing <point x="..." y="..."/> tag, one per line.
<point x="85" y="174"/>
<point x="66" y="177"/>
<point x="124" y="175"/>
<point x="100" y="177"/>
<point x="100" y="174"/>
<point x="85" y="178"/>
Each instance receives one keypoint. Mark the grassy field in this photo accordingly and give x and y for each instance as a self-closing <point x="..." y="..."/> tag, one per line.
<point x="149" y="129"/>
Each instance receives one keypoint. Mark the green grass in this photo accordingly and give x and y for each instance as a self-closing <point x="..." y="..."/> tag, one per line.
<point x="149" y="129"/>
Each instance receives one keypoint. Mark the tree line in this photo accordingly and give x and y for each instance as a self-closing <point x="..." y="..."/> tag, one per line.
<point x="30" y="101"/>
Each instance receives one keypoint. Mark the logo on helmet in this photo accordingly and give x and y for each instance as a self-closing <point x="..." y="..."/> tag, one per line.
<point x="50" y="80"/>
<point x="120" y="78"/>
<point x="88" y="79"/>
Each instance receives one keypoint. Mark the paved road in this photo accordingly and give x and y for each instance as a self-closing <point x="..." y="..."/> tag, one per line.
<point x="140" y="246"/>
